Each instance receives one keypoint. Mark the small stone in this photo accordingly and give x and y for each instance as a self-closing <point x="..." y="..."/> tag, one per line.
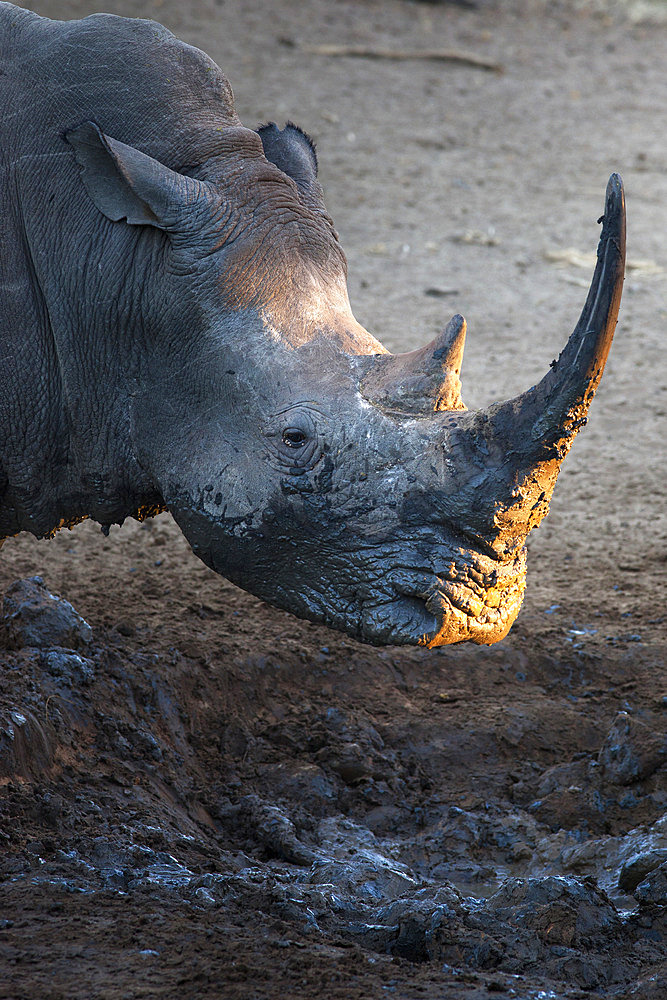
<point x="434" y="292"/>
<point x="562" y="911"/>
<point x="71" y="667"/>
<point x="348" y="760"/>
<point x="638" y="867"/>
<point x="37" y="618"/>
<point x="653" y="889"/>
<point x="631" y="751"/>
<point x="203" y="896"/>
<point x="126" y="628"/>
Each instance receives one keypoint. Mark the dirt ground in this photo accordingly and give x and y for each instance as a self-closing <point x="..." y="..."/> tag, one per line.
<point x="205" y="797"/>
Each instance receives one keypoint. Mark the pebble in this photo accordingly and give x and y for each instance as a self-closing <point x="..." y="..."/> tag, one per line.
<point x="35" y="617"/>
<point x="637" y="867"/>
<point x="653" y="889"/>
<point x="631" y="751"/>
<point x="69" y="666"/>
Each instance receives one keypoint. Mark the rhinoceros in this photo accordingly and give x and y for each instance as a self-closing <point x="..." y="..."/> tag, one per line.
<point x="176" y="334"/>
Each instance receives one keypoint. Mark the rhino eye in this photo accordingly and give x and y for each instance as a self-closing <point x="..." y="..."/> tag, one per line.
<point x="294" y="442"/>
<point x="294" y="438"/>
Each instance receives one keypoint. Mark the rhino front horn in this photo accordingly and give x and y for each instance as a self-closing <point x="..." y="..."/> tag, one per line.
<point x="420" y="381"/>
<point x="525" y="439"/>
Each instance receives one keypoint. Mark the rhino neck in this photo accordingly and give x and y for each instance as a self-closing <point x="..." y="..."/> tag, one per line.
<point x="73" y="490"/>
<point x="64" y="449"/>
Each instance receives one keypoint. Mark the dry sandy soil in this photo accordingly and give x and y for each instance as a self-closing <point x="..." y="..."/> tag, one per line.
<point x="209" y="798"/>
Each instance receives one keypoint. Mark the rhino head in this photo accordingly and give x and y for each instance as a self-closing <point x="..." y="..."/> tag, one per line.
<point x="303" y="461"/>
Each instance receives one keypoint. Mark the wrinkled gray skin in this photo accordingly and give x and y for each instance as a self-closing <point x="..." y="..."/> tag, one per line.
<point x="175" y="333"/>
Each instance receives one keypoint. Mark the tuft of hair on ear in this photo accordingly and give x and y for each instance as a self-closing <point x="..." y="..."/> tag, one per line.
<point x="292" y="126"/>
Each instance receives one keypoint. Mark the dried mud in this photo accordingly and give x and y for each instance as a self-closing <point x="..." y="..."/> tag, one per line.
<point x="201" y="796"/>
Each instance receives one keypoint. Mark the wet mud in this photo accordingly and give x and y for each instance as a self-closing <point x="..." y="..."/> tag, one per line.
<point x="471" y="821"/>
<point x="204" y="797"/>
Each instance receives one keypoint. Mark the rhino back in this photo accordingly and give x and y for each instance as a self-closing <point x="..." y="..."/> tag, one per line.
<point x="140" y="85"/>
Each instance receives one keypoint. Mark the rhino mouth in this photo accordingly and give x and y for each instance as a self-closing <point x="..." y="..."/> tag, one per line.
<point x="462" y="615"/>
<point x="462" y="602"/>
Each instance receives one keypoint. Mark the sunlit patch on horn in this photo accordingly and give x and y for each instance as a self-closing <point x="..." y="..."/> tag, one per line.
<point x="530" y="435"/>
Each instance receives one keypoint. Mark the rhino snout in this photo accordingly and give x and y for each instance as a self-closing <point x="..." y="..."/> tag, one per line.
<point x="473" y="598"/>
<point x="464" y="609"/>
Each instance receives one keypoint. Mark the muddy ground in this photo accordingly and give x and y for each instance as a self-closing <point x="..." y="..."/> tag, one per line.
<point x="204" y="797"/>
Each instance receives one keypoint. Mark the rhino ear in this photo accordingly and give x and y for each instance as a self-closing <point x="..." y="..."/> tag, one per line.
<point x="292" y="150"/>
<point x="125" y="183"/>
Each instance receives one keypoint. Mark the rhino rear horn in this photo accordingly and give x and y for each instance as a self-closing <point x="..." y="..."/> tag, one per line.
<point x="420" y="381"/>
